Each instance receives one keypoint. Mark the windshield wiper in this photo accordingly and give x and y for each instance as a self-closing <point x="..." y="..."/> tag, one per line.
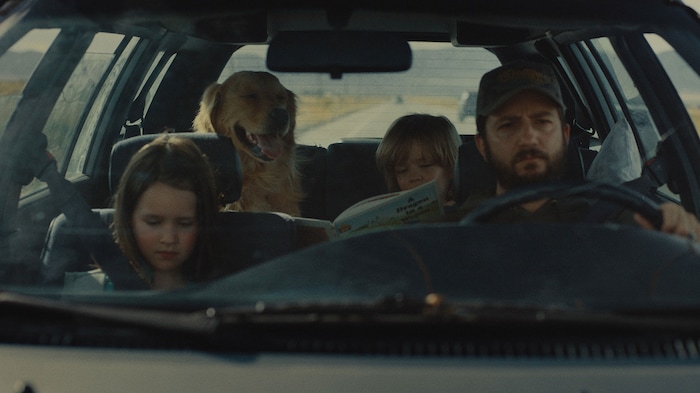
<point x="436" y="310"/>
<point x="433" y="309"/>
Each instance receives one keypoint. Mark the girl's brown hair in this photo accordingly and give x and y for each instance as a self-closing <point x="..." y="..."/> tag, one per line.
<point x="179" y="163"/>
<point x="436" y="134"/>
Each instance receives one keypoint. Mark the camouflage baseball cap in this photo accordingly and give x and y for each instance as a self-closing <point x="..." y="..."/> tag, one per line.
<point x="502" y="83"/>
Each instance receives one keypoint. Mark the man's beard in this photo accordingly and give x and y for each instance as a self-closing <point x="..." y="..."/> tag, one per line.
<point x="509" y="179"/>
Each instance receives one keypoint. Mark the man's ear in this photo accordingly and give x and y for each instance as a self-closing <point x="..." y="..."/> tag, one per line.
<point x="481" y="146"/>
<point x="566" y="128"/>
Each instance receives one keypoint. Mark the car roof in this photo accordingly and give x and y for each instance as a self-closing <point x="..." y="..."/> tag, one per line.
<point x="475" y="22"/>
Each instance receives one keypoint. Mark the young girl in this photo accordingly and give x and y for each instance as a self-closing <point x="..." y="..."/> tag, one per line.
<point x="164" y="208"/>
<point x="418" y="148"/>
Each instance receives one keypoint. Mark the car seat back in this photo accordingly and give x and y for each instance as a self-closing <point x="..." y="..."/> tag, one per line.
<point x="64" y="248"/>
<point x="219" y="149"/>
<point x="312" y="163"/>
<point x="246" y="239"/>
<point x="352" y="174"/>
<point x="473" y="176"/>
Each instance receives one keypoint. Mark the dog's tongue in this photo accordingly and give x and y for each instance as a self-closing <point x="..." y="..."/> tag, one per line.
<point x="270" y="146"/>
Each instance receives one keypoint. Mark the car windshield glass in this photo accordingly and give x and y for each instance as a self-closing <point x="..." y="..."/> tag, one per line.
<point x="163" y="157"/>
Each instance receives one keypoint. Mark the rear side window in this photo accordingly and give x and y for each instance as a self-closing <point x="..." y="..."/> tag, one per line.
<point x="621" y="104"/>
<point x="639" y="114"/>
<point x="80" y="101"/>
<point x="77" y="95"/>
<point x="107" y="45"/>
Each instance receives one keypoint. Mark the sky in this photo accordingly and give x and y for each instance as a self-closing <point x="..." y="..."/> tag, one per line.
<point x="694" y="4"/>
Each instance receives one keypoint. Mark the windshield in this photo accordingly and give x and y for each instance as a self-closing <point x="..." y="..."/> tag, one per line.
<point x="189" y="168"/>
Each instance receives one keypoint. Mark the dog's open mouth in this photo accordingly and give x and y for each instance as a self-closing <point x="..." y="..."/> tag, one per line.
<point x="265" y="147"/>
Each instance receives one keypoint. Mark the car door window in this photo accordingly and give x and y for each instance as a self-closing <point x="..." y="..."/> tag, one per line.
<point x="17" y="65"/>
<point x="682" y="76"/>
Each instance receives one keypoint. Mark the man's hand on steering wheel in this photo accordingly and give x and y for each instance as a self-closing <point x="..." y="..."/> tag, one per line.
<point x="676" y="221"/>
<point x="667" y="217"/>
<point x="624" y="197"/>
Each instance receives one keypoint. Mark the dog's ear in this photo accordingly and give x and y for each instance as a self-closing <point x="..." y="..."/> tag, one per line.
<point x="292" y="109"/>
<point x="208" y="109"/>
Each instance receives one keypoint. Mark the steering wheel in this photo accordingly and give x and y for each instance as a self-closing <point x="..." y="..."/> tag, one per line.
<point x="620" y="195"/>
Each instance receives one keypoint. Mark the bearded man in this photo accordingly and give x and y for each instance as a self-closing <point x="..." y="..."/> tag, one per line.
<point x="521" y="133"/>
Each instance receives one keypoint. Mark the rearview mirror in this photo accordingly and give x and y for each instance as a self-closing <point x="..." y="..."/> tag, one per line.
<point x="338" y="52"/>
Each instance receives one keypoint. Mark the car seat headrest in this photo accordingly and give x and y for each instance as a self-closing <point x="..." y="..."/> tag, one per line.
<point x="219" y="149"/>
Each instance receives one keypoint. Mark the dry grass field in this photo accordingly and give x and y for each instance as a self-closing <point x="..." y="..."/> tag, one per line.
<point x="315" y="110"/>
<point x="8" y="88"/>
<point x="695" y="116"/>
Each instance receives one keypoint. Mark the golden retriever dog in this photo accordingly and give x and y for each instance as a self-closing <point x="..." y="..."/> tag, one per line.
<point x="259" y="115"/>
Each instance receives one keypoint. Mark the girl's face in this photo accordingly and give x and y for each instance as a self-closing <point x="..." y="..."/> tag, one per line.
<point x="419" y="169"/>
<point x="165" y="225"/>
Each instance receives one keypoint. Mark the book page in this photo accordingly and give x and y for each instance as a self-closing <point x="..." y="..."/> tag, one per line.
<point x="365" y="205"/>
<point x="391" y="209"/>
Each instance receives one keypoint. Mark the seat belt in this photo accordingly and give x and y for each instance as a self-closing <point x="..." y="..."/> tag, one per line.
<point x="133" y="126"/>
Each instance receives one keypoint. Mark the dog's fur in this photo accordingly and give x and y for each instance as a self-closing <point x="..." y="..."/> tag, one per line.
<point x="259" y="115"/>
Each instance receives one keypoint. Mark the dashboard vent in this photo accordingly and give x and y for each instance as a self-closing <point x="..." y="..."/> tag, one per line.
<point x="666" y="348"/>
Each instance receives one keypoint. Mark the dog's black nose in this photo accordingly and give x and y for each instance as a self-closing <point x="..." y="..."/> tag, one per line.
<point x="278" y="120"/>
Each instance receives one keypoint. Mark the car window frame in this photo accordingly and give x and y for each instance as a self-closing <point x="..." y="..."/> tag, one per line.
<point x="639" y="60"/>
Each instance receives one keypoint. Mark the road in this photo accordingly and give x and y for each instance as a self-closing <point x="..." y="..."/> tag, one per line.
<point x="374" y="121"/>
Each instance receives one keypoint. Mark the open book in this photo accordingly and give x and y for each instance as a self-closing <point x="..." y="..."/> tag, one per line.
<point x="381" y="211"/>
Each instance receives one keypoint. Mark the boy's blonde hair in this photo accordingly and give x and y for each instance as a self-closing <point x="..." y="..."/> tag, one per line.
<point x="436" y="134"/>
